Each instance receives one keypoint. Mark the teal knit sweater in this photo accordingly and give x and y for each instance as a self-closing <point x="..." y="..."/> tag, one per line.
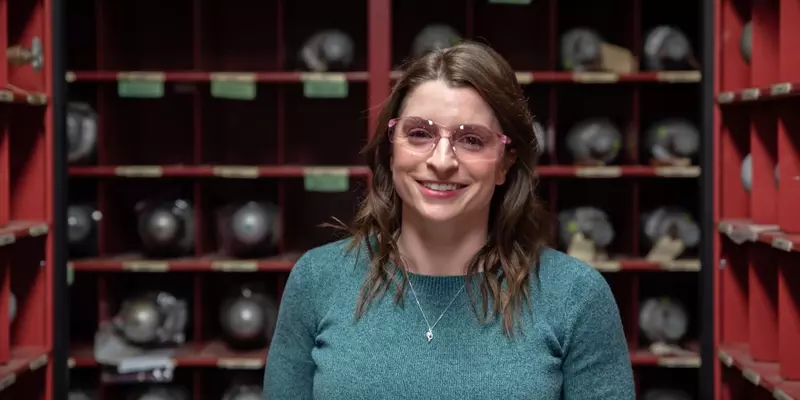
<point x="571" y="347"/>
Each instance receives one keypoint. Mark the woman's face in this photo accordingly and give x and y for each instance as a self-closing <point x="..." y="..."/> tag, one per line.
<point x="440" y="185"/>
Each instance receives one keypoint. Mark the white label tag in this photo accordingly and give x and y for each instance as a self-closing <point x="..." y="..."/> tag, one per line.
<point x="666" y="249"/>
<point x="582" y="248"/>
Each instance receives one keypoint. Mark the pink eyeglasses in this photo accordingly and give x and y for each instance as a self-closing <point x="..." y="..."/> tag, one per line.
<point x="469" y="142"/>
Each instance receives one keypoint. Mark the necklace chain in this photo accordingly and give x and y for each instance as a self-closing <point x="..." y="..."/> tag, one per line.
<point x="429" y="334"/>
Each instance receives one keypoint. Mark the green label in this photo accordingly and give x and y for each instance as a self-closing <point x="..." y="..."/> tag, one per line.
<point x="325" y="86"/>
<point x="236" y="86"/>
<point x="70" y="275"/>
<point x="326" y="180"/>
<point x="522" y="2"/>
<point x="148" y="89"/>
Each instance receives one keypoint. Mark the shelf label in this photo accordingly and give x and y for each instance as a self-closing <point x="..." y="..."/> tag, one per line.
<point x="679" y="76"/>
<point x="607" y="266"/>
<point x="680" y="362"/>
<point x="595" y="77"/>
<point x="674" y="171"/>
<point x="145" y="266"/>
<point x="726" y="97"/>
<point x="7" y="381"/>
<point x="139" y="171"/>
<point x="36" y="99"/>
<point x="725" y="358"/>
<point x="146" y="85"/>
<point x="70" y="77"/>
<point x="38" y="363"/>
<point x="70" y="273"/>
<point x="781" y="395"/>
<point x="326" y="179"/>
<point x="38" y="230"/>
<point x="524" y="78"/>
<point x="598" y="172"/>
<point x="71" y="362"/>
<point x="7" y="239"/>
<point x="240" y="363"/>
<point x="233" y="86"/>
<point x="517" y="2"/>
<point x="234" y="266"/>
<point x="751" y="94"/>
<point x="751" y="376"/>
<point x="236" y="172"/>
<point x="6" y="96"/>
<point x="324" y="85"/>
<point x="781" y="89"/>
<point x="782" y="244"/>
<point x="681" y="265"/>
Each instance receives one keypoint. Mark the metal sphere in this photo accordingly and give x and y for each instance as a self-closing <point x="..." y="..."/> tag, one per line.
<point x="244" y="318"/>
<point x="141" y="321"/>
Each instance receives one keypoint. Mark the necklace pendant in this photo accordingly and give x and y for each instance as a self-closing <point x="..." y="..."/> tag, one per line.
<point x="429" y="335"/>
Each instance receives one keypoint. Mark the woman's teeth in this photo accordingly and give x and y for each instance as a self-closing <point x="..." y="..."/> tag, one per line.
<point x="441" y="187"/>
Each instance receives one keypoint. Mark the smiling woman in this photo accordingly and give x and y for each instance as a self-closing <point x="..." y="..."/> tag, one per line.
<point x="452" y="222"/>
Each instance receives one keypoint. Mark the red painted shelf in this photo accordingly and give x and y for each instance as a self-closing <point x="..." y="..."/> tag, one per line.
<point x="152" y="82"/>
<point x="26" y="201"/>
<point x="757" y="185"/>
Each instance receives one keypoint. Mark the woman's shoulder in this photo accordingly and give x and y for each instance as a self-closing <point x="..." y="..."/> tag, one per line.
<point x="571" y="278"/>
<point x="326" y="262"/>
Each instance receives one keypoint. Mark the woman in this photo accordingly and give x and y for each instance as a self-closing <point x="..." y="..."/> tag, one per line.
<point x="446" y="288"/>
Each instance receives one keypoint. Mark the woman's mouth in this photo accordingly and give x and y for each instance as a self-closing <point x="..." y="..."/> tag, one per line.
<point x="441" y="189"/>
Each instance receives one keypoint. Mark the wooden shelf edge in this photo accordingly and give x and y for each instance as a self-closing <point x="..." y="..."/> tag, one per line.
<point x="741" y="231"/>
<point x="763" y="374"/>
<point x="760" y="94"/>
<point x="16" y="230"/>
<point x="23" y="360"/>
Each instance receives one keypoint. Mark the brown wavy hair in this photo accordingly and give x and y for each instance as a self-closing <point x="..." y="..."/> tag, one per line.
<point x="518" y="227"/>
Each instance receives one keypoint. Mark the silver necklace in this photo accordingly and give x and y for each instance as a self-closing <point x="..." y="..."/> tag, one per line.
<point x="429" y="334"/>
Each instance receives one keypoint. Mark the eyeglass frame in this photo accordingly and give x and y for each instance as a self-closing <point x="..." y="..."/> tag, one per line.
<point x="505" y="140"/>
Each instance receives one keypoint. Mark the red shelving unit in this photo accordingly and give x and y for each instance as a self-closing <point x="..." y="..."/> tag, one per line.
<point x="757" y="284"/>
<point x="172" y="90"/>
<point x="26" y="201"/>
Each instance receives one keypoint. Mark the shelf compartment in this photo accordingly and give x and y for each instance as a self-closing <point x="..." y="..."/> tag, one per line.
<point x="131" y="36"/>
<point x="244" y="38"/>
<point x="310" y="17"/>
<point x="763" y="375"/>
<point x="763" y="303"/>
<point x="407" y="22"/>
<point x="535" y="22"/>
<point x="24" y="360"/>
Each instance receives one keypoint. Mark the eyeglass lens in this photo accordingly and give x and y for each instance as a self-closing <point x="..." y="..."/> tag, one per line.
<point x="422" y="135"/>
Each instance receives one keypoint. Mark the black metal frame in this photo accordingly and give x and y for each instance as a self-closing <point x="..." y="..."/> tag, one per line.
<point x="59" y="356"/>
<point x="707" y="262"/>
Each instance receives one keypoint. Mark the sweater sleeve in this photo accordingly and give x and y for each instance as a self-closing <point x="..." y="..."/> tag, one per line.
<point x="289" y="368"/>
<point x="597" y="362"/>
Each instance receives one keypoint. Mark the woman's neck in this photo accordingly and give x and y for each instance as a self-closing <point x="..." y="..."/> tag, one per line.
<point x="431" y="248"/>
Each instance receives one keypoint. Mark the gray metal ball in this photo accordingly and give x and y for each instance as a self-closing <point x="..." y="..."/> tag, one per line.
<point x="163" y="226"/>
<point x="141" y="321"/>
<point x="244" y="318"/>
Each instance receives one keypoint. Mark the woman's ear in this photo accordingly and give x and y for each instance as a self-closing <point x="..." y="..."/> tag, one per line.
<point x="509" y="158"/>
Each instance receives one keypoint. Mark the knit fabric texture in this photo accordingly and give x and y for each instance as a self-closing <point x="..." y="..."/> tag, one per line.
<point x="571" y="345"/>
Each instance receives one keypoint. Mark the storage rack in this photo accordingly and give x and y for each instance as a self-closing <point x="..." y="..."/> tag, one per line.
<point x="29" y="173"/>
<point x="757" y="285"/>
<point x="298" y="140"/>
